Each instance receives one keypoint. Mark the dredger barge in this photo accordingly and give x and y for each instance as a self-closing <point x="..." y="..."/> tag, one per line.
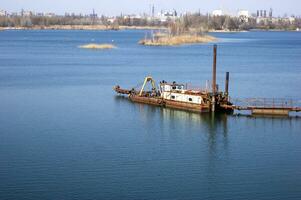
<point x="175" y="95"/>
<point x="179" y="96"/>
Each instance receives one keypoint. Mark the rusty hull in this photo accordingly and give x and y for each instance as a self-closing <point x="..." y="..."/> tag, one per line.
<point x="158" y="101"/>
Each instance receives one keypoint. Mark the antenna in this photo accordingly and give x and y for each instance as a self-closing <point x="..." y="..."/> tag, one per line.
<point x="153" y="10"/>
<point x="93" y="17"/>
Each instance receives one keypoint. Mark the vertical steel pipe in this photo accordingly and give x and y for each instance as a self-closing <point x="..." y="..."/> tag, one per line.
<point x="213" y="79"/>
<point x="227" y="84"/>
<point x="214" y="70"/>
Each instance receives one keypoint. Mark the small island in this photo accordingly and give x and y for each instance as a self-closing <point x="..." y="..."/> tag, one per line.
<point x="97" y="46"/>
<point x="178" y="33"/>
<point x="174" y="40"/>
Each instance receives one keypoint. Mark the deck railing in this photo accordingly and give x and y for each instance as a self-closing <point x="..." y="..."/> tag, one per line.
<point x="266" y="102"/>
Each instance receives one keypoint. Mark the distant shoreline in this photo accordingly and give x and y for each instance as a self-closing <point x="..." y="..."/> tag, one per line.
<point x="83" y="27"/>
<point x="226" y="31"/>
<point x="105" y="28"/>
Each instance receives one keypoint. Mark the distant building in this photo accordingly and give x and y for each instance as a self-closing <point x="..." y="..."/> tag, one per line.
<point x="111" y="20"/>
<point x="13" y="14"/>
<point x="243" y="15"/>
<point x="217" y="13"/>
<point x="49" y="14"/>
<point x="93" y="15"/>
<point x="291" y="20"/>
<point x="260" y="20"/>
<point x="132" y="17"/>
<point x="26" y="13"/>
<point x="167" y="15"/>
<point x="39" y="14"/>
<point x="3" y="13"/>
<point x="266" y="17"/>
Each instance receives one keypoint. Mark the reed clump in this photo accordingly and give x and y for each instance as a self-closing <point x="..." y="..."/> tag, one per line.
<point x="97" y="46"/>
<point x="174" y="40"/>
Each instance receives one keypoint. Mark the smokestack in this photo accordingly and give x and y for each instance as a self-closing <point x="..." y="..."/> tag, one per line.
<point x="271" y="13"/>
<point x="214" y="70"/>
<point x="227" y="84"/>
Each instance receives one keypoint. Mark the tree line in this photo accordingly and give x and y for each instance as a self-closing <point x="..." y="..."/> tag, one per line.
<point x="29" y="21"/>
<point x="197" y="22"/>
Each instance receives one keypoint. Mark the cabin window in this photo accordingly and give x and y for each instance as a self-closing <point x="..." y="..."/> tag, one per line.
<point x="189" y="99"/>
<point x="174" y="87"/>
<point x="173" y="97"/>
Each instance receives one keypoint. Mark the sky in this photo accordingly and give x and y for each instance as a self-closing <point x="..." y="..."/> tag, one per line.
<point x="116" y="7"/>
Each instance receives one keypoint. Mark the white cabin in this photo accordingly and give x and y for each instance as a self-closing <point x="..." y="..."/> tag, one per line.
<point x="177" y="92"/>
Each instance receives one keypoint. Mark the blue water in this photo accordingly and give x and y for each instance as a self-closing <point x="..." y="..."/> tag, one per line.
<point x="64" y="134"/>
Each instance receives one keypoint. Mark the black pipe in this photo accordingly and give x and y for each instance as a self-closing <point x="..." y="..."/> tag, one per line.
<point x="227" y="84"/>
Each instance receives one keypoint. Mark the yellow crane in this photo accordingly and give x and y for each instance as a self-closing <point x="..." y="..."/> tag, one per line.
<point x="146" y="80"/>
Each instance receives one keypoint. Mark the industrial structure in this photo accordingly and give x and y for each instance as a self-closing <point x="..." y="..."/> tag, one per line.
<point x="175" y="95"/>
<point x="179" y="96"/>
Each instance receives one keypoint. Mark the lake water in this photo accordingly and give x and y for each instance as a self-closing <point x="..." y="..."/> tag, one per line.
<point x="64" y="134"/>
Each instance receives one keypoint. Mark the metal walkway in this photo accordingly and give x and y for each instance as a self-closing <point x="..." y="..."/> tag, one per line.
<point x="269" y="106"/>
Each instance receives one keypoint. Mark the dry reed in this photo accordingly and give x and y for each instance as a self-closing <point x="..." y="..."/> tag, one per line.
<point x="166" y="40"/>
<point x="98" y="46"/>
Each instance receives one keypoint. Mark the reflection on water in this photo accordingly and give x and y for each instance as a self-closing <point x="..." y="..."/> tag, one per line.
<point x="213" y="125"/>
<point x="214" y="122"/>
